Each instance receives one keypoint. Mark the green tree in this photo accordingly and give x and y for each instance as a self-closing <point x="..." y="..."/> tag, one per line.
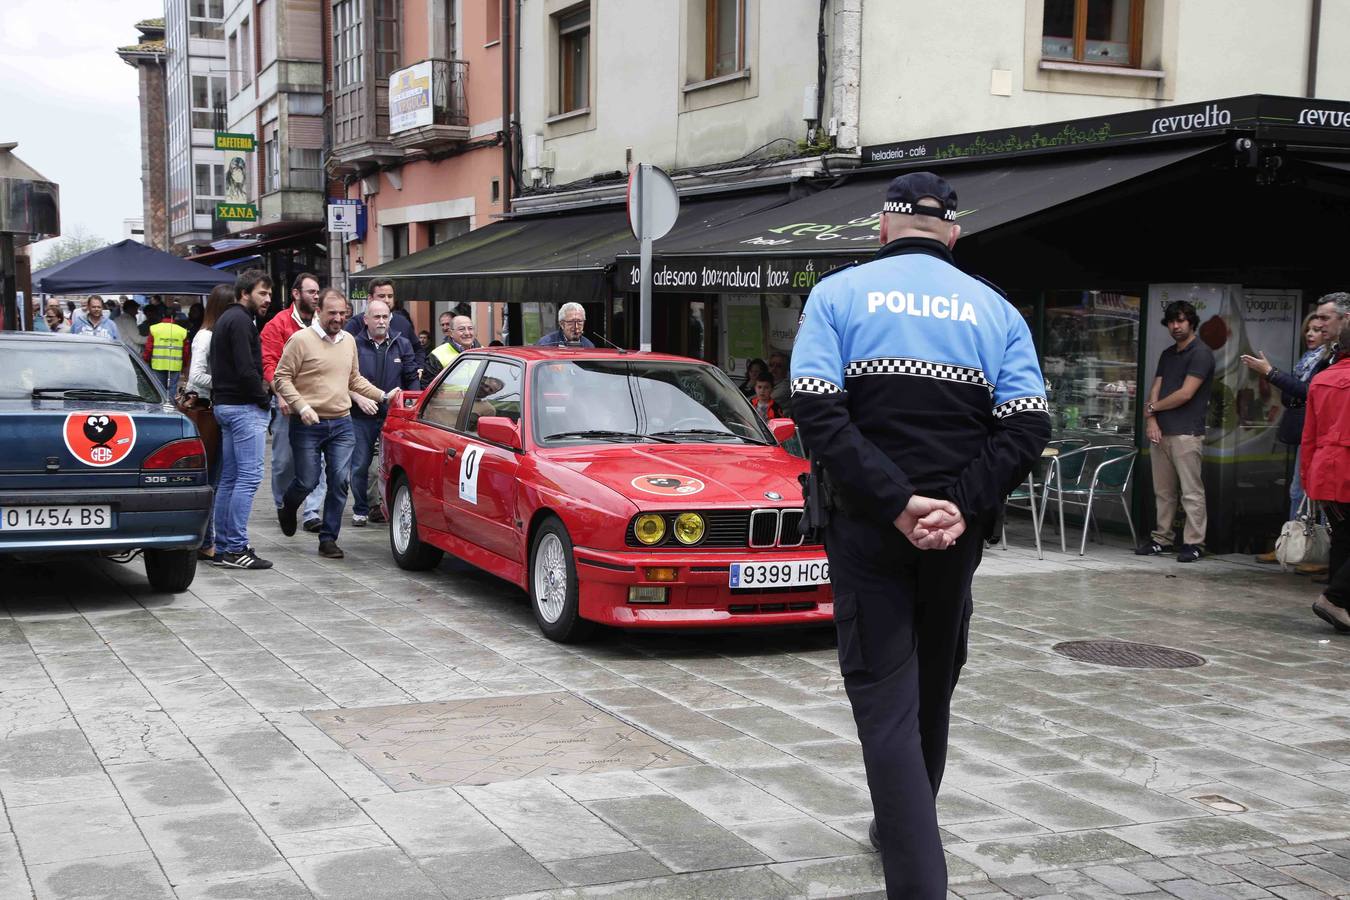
<point x="78" y="240"/>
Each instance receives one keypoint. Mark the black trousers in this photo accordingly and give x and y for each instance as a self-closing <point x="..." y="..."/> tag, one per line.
<point x="903" y="619"/>
<point x="1338" y="588"/>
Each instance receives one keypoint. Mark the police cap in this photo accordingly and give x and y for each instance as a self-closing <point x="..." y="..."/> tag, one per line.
<point x="904" y="193"/>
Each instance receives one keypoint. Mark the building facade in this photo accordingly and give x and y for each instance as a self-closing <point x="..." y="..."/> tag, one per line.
<point x="147" y="57"/>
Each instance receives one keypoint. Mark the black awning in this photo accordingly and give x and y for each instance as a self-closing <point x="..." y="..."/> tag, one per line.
<point x="786" y="249"/>
<point x="552" y="258"/>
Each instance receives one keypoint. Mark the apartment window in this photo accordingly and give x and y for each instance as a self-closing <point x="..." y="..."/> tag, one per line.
<point x="386" y="38"/>
<point x="574" y="57"/>
<point x="271" y="163"/>
<point x="209" y="181"/>
<point x="267" y="33"/>
<point x="306" y="169"/>
<point x="205" y="18"/>
<point x="396" y="240"/>
<point x="208" y="96"/>
<point x="493" y="12"/>
<point x="347" y="43"/>
<point x="245" y="54"/>
<point x="725" y="37"/>
<point x="232" y="60"/>
<point x="1097" y="32"/>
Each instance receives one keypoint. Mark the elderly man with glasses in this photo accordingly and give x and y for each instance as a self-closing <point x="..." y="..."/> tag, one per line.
<point x="571" y="324"/>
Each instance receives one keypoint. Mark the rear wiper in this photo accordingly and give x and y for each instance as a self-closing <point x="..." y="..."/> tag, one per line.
<point x="709" y="432"/>
<point x="606" y="435"/>
<point x="87" y="394"/>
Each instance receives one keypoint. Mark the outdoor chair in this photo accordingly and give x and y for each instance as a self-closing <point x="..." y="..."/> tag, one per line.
<point x="1080" y="477"/>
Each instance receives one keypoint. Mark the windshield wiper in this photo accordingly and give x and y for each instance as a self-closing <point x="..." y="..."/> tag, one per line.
<point x="708" y="432"/>
<point x="88" y="394"/>
<point x="603" y="434"/>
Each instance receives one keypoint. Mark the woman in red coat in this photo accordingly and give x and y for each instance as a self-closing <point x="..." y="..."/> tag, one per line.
<point x="1325" y="455"/>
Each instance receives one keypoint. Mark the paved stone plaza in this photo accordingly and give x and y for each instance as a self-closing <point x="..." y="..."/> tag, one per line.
<point x="307" y="731"/>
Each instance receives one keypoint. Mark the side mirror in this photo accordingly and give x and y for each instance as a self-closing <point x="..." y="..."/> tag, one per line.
<point x="782" y="429"/>
<point x="406" y="405"/>
<point x="499" y="430"/>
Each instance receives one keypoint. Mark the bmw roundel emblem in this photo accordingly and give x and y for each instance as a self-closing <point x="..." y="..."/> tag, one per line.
<point x="773" y="495"/>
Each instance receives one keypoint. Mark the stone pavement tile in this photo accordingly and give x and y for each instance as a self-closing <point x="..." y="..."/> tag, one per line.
<point x="609" y="868"/>
<point x="1299" y="892"/>
<point x="1271" y="856"/>
<point x="1122" y="796"/>
<point x="677" y="724"/>
<point x="210" y="845"/>
<point x="836" y="718"/>
<point x="45" y="753"/>
<point x="770" y="725"/>
<point x="995" y="829"/>
<point x="275" y="886"/>
<point x="720" y="795"/>
<point x="832" y="756"/>
<point x="435" y="821"/>
<point x="695" y="693"/>
<point x="1118" y="879"/>
<point x="77" y="829"/>
<point x="1315" y="876"/>
<point x="741" y="884"/>
<point x="1037" y="853"/>
<point x="1202" y="870"/>
<point x="123" y="736"/>
<point x="171" y="786"/>
<point x="1259" y="874"/>
<point x="1253" y="802"/>
<point x="508" y="870"/>
<point x="345" y="770"/>
<point x="1209" y="760"/>
<point x="1005" y="750"/>
<point x="1288" y="790"/>
<point x="125" y="875"/>
<point x="331" y="840"/>
<point x="1314" y="823"/>
<point x="543" y="820"/>
<point x="1190" y="836"/>
<point x="845" y="876"/>
<point x="1046" y="806"/>
<point x="955" y="806"/>
<point x="965" y="769"/>
<point x="737" y="752"/>
<point x="796" y="839"/>
<point x="1153" y="870"/>
<point x="1267" y="753"/>
<point x="85" y="786"/>
<point x="676" y="834"/>
<point x="811" y="790"/>
<point x="604" y="786"/>
<point x="351" y="875"/>
<point x="1190" y="889"/>
<point x="13" y="877"/>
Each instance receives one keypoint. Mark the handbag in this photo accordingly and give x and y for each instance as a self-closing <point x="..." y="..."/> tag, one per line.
<point x="1303" y="540"/>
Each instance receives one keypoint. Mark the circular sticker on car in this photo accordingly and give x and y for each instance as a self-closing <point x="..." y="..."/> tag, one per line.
<point x="99" y="438"/>
<point x="668" y="485"/>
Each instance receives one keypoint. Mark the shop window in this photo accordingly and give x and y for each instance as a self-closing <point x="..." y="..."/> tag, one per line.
<point x="574" y="53"/>
<point x="1090" y="353"/>
<point x="724" y="38"/>
<point x="1096" y="32"/>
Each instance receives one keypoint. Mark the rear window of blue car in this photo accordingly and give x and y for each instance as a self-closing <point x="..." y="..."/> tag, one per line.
<point x="31" y="364"/>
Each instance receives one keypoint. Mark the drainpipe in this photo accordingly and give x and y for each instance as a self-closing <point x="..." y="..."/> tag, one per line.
<point x="1314" y="38"/>
<point x="505" y="46"/>
<point x="517" y="145"/>
<point x="847" y="72"/>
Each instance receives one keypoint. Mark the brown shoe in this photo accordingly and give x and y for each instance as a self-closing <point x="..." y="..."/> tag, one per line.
<point x="1332" y="614"/>
<point x="1267" y="558"/>
<point x="330" y="550"/>
<point x="1311" y="570"/>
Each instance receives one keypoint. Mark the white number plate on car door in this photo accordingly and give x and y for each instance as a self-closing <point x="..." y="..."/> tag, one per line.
<point x="789" y="573"/>
<point x="54" y="518"/>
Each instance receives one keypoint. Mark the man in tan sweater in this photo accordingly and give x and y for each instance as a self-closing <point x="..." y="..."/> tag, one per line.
<point x="316" y="377"/>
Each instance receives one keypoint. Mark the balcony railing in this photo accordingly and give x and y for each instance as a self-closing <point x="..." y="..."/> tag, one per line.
<point x="442" y="123"/>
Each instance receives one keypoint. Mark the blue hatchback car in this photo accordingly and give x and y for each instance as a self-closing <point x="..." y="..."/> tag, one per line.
<point x="94" y="458"/>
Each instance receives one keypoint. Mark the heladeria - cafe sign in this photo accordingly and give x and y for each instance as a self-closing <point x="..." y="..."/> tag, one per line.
<point x="1327" y="121"/>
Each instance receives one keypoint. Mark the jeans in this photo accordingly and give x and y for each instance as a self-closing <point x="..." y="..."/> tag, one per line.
<point x="283" y="466"/>
<point x="367" y="433"/>
<point x="213" y="479"/>
<point x="168" y="379"/>
<point x="329" y="442"/>
<point x="243" y="437"/>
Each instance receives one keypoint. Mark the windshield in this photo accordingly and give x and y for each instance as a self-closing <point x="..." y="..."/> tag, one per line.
<point x="55" y="366"/>
<point x="594" y="401"/>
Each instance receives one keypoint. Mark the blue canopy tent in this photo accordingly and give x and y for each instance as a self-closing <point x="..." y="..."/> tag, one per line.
<point x="127" y="267"/>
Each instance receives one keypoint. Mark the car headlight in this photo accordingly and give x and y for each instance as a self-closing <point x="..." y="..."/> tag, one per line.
<point x="649" y="528"/>
<point x="689" y="528"/>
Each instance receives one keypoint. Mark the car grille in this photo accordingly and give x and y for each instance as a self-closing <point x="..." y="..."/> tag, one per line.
<point x="745" y="609"/>
<point x="759" y="529"/>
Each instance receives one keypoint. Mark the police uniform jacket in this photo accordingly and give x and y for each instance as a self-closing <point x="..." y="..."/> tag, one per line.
<point x="912" y="377"/>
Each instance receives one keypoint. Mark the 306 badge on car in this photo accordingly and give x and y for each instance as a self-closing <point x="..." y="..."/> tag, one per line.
<point x="792" y="573"/>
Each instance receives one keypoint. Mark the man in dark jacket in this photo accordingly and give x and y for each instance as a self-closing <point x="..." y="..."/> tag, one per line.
<point x="399" y="321"/>
<point x="387" y="361"/>
<point x="240" y="402"/>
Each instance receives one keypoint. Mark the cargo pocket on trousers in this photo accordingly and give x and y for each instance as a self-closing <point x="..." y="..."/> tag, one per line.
<point x="848" y="626"/>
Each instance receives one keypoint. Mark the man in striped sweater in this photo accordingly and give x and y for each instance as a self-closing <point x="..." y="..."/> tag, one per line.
<point x="316" y="376"/>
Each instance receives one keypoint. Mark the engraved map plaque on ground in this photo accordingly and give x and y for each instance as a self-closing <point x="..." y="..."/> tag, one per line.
<point x="489" y="739"/>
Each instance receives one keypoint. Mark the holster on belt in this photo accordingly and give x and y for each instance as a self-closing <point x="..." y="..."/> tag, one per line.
<point x="818" y="502"/>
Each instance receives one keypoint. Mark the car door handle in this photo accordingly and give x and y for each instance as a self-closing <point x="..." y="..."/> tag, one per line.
<point x="451" y="453"/>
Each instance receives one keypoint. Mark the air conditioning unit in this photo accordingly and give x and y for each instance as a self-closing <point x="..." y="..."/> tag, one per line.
<point x="548" y="160"/>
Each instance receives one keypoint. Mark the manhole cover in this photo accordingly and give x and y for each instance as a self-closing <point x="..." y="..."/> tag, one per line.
<point x="1124" y="653"/>
<point x="486" y="739"/>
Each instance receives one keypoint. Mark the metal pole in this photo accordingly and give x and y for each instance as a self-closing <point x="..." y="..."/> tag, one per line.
<point x="9" y="283"/>
<point x="644" y="263"/>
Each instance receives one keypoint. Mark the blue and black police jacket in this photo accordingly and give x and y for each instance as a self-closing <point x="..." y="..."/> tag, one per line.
<point x="911" y="377"/>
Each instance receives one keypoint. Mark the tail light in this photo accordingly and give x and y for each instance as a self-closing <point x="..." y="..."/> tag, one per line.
<point x="188" y="453"/>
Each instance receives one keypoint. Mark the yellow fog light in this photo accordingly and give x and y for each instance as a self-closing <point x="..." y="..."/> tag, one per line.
<point x="647" y="595"/>
<point x="650" y="528"/>
<point x="663" y="573"/>
<point x="689" y="528"/>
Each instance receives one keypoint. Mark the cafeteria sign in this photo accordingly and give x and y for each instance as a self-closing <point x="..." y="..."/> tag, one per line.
<point x="236" y="212"/>
<point x="240" y="143"/>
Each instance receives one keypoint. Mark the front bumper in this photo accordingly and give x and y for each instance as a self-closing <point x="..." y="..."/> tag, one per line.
<point x="161" y="518"/>
<point x="700" y="596"/>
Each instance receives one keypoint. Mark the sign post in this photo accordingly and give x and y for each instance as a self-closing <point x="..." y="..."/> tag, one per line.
<point x="653" y="207"/>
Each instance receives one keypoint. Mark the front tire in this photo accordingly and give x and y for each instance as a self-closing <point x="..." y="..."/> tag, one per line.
<point x="171" y="571"/>
<point x="553" y="585"/>
<point x="409" y="551"/>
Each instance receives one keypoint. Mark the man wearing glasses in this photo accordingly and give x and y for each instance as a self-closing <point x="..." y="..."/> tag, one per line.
<point x="571" y="324"/>
<point x="387" y="361"/>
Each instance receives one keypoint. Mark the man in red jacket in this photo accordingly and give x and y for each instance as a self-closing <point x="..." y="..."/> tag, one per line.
<point x="1325" y="458"/>
<point x="275" y="334"/>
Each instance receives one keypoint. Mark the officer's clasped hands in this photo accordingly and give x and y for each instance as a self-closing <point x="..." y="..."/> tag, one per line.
<point x="931" y="524"/>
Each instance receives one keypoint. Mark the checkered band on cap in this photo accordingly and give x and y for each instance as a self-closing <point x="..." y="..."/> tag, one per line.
<point x="1021" y="404"/>
<point x="911" y="209"/>
<point x="814" y="386"/>
<point x="919" y="367"/>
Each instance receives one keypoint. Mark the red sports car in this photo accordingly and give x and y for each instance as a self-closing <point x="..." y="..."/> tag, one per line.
<point x="637" y="490"/>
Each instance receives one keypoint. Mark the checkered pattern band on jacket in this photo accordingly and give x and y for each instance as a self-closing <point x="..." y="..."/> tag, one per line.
<point x="919" y="367"/>
<point x="814" y="386"/>
<point x="1021" y="404"/>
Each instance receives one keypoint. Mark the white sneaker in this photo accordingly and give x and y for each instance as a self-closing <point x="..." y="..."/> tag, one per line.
<point x="360" y="521"/>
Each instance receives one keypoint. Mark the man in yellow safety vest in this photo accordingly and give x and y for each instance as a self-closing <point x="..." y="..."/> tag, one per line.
<point x="166" y="349"/>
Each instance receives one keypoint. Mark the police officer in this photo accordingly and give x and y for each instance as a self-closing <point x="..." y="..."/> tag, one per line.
<point x="918" y="390"/>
